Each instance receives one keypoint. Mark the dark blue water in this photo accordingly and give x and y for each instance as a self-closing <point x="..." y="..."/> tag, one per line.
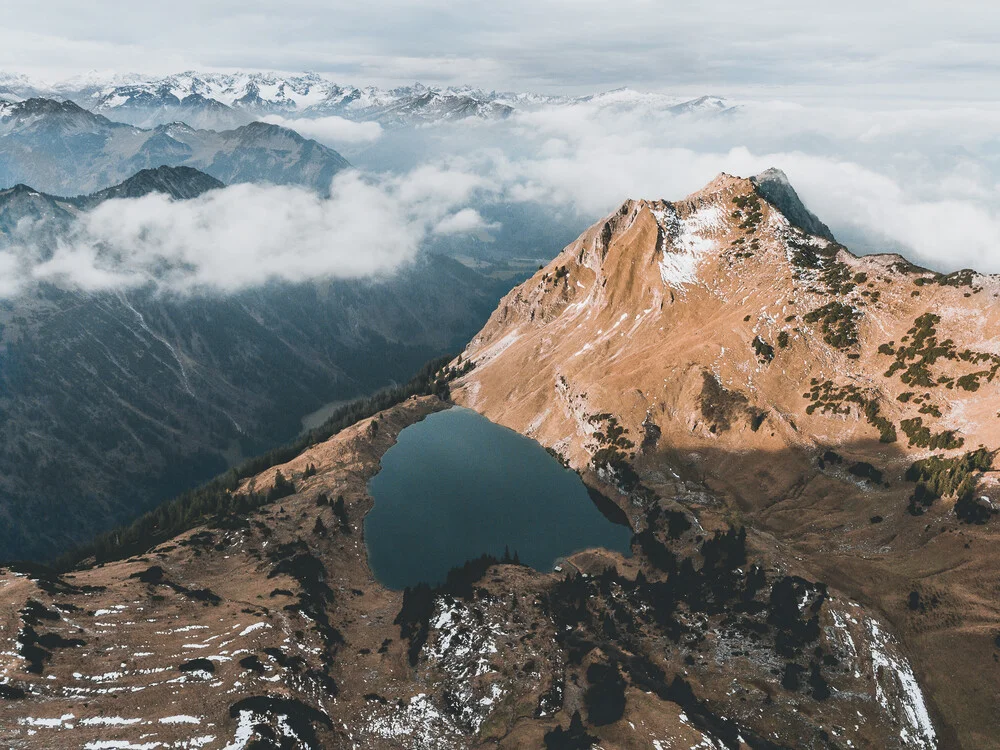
<point x="456" y="486"/>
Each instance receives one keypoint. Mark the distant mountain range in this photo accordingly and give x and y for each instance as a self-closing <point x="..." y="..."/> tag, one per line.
<point x="59" y="147"/>
<point x="227" y="100"/>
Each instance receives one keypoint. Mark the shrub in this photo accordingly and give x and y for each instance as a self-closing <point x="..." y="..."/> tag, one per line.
<point x="839" y="324"/>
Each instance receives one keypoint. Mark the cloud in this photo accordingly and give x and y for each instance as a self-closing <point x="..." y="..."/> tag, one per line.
<point x="244" y="236"/>
<point x="924" y="181"/>
<point x="332" y="130"/>
<point x="466" y="221"/>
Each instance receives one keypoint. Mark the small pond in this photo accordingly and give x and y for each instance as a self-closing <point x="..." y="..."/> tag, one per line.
<point x="456" y="486"/>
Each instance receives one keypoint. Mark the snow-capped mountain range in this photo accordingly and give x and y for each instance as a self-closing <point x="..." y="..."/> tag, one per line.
<point x="232" y="99"/>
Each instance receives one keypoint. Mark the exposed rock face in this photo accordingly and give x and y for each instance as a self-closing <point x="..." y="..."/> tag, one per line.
<point x="800" y="383"/>
<point x="51" y="213"/>
<point x="775" y="188"/>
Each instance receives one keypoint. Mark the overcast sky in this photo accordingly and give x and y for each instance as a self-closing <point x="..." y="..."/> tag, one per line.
<point x="851" y="48"/>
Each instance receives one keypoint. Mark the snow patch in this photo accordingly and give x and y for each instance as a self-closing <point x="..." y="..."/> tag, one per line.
<point x="690" y="245"/>
<point x="895" y="683"/>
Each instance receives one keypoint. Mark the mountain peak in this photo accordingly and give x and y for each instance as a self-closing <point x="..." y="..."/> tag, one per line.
<point x="180" y="183"/>
<point x="774" y="187"/>
<point x="723" y="182"/>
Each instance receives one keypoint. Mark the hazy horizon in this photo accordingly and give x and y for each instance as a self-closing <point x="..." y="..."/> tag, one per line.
<point x="853" y="49"/>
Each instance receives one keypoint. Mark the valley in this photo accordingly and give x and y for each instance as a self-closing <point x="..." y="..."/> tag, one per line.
<point x="113" y="400"/>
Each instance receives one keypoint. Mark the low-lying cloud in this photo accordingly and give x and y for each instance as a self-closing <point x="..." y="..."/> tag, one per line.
<point x="245" y="235"/>
<point x="332" y="130"/>
<point x="466" y="221"/>
<point x="907" y="181"/>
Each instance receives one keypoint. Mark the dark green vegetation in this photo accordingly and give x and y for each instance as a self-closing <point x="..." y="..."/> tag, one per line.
<point x="456" y="485"/>
<point x="839" y="323"/>
<point x="613" y="458"/>
<point x="920" y="349"/>
<point x="865" y="470"/>
<point x="965" y="277"/>
<point x="612" y="455"/>
<point x="289" y="719"/>
<point x="648" y="631"/>
<point x="607" y="624"/>
<point x="808" y="256"/>
<point x="938" y="477"/>
<point x="748" y="212"/>
<point x="921" y="437"/>
<point x="36" y="649"/>
<point x="832" y="276"/>
<point x="216" y="502"/>
<point x="573" y="738"/>
<point x="418" y="601"/>
<point x="830" y="399"/>
<point x="764" y="351"/>
<point x="315" y="597"/>
<point x="721" y="407"/>
<point x="154" y="576"/>
<point x="561" y="274"/>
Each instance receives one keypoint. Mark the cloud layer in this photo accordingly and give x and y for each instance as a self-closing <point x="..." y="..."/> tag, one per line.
<point x="924" y="182"/>
<point x="245" y="235"/>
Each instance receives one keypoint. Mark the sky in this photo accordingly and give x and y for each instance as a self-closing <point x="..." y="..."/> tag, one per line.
<point x="862" y="50"/>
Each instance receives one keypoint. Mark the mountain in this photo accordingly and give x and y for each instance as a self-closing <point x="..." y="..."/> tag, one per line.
<point x="259" y="628"/>
<point x="52" y="214"/>
<point x="774" y="187"/>
<point x="59" y="147"/>
<point x="790" y="431"/>
<point x="180" y="183"/>
<point x="843" y="406"/>
<point x="227" y="100"/>
<point x="152" y="105"/>
<point x="25" y="204"/>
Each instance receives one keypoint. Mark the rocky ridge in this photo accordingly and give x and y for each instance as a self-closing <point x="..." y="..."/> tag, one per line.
<point x="59" y="147"/>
